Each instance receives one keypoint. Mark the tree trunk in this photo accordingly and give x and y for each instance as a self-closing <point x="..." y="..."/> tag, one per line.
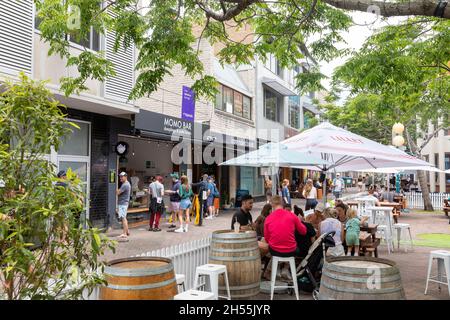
<point x="427" y="205"/>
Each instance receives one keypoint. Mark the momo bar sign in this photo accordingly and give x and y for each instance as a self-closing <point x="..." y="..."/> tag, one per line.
<point x="162" y="124"/>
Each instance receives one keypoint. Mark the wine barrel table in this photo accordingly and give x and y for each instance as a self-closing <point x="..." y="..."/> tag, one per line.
<point x="360" y="278"/>
<point x="239" y="252"/>
<point x="141" y="278"/>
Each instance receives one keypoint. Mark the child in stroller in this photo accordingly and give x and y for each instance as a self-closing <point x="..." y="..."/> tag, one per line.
<point x="309" y="272"/>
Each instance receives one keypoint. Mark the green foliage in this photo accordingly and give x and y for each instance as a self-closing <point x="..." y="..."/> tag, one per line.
<point x="167" y="33"/>
<point x="45" y="252"/>
<point x="401" y="74"/>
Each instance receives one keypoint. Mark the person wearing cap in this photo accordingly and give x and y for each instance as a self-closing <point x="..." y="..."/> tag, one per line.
<point x="156" y="203"/>
<point x="62" y="175"/>
<point x="243" y="216"/>
<point x="174" y="197"/>
<point x="338" y="186"/>
<point x="332" y="224"/>
<point x="123" y="198"/>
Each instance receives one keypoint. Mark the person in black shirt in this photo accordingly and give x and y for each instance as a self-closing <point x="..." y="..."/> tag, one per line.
<point x="304" y="242"/>
<point x="243" y="215"/>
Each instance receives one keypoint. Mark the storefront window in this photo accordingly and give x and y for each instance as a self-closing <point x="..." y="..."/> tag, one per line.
<point x="219" y="98"/>
<point x="237" y="103"/>
<point x="228" y="99"/>
<point x="294" y="112"/>
<point x="76" y="143"/>
<point x="234" y="102"/>
<point x="270" y="105"/>
<point x="251" y="181"/>
<point x="247" y="106"/>
<point x="307" y="117"/>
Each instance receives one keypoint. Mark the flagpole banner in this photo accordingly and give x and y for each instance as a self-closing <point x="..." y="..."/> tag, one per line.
<point x="188" y="104"/>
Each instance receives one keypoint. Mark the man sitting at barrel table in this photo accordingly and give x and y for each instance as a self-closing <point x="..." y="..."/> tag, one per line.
<point x="279" y="230"/>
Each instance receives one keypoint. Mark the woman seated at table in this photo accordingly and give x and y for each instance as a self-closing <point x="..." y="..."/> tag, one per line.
<point x="259" y="222"/>
<point x="341" y="211"/>
<point x="304" y="241"/>
<point x="331" y="224"/>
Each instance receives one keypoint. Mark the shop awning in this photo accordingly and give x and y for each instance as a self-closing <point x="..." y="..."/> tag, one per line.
<point x="278" y="87"/>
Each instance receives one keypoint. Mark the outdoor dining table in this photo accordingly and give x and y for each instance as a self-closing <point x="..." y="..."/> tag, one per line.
<point x="396" y="208"/>
<point x="368" y="239"/>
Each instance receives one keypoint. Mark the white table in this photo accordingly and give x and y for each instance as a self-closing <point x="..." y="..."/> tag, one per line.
<point x="387" y="214"/>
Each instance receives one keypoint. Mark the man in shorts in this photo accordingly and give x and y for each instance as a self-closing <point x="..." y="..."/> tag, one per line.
<point x="123" y="194"/>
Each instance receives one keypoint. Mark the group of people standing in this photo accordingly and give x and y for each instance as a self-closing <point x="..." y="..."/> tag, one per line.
<point x="181" y="200"/>
<point x="181" y="196"/>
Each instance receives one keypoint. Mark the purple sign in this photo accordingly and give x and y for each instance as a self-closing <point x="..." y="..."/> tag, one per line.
<point x="188" y="104"/>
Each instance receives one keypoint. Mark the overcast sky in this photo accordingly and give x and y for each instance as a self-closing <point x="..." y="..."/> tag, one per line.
<point x="366" y="23"/>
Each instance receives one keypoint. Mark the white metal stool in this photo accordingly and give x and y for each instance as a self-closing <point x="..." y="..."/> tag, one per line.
<point x="180" y="278"/>
<point x="213" y="271"/>
<point x="399" y="227"/>
<point x="194" y="295"/>
<point x="443" y="264"/>
<point x="386" y="236"/>
<point x="275" y="261"/>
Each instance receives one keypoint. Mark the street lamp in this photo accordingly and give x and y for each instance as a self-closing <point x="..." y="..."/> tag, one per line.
<point x="398" y="128"/>
<point x="398" y="141"/>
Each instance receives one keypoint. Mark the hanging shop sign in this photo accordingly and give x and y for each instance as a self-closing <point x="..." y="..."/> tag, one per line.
<point x="121" y="148"/>
<point x="188" y="104"/>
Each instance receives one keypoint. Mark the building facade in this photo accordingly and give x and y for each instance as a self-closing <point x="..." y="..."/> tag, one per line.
<point x="256" y="103"/>
<point x="437" y="153"/>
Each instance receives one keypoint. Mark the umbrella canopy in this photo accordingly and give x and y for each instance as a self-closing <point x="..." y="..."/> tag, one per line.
<point x="401" y="169"/>
<point x="348" y="151"/>
<point x="275" y="155"/>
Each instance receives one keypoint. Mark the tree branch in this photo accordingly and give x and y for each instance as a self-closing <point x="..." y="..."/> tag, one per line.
<point x="391" y="9"/>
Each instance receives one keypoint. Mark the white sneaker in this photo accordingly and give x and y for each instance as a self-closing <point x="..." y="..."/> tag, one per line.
<point x="180" y="229"/>
<point x="186" y="228"/>
<point x="209" y="217"/>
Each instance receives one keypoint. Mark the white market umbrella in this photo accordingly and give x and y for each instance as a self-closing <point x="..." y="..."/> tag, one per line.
<point x="348" y="151"/>
<point x="273" y="156"/>
<point x="401" y="169"/>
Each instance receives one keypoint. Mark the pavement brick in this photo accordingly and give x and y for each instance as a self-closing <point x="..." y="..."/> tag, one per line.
<point x="413" y="265"/>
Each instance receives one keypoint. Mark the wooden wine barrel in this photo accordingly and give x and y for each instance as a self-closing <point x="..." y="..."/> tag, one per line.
<point x="360" y="278"/>
<point x="240" y="253"/>
<point x="141" y="278"/>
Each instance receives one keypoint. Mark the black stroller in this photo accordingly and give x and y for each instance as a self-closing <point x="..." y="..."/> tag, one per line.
<point x="309" y="272"/>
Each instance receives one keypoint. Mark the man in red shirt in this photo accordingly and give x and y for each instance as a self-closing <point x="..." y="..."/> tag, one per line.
<point x="279" y="230"/>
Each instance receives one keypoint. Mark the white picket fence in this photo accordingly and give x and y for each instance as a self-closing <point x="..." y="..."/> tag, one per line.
<point x="186" y="257"/>
<point x="414" y="200"/>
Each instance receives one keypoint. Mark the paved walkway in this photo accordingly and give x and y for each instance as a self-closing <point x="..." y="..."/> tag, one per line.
<point x="412" y="265"/>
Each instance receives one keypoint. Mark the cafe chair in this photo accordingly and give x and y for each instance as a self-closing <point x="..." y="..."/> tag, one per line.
<point x="443" y="263"/>
<point x="212" y="272"/>
<point x="275" y="261"/>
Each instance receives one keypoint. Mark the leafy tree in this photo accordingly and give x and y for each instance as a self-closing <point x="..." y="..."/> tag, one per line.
<point x="401" y="74"/>
<point x="45" y="252"/>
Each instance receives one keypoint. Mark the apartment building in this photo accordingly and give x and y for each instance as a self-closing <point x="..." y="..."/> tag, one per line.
<point x="100" y="110"/>
<point x="137" y="136"/>
<point x="437" y="153"/>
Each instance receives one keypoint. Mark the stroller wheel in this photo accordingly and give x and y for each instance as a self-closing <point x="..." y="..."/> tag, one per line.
<point x="315" y="294"/>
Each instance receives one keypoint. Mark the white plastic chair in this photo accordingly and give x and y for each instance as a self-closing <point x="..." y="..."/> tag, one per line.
<point x="275" y="261"/>
<point x="212" y="271"/>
